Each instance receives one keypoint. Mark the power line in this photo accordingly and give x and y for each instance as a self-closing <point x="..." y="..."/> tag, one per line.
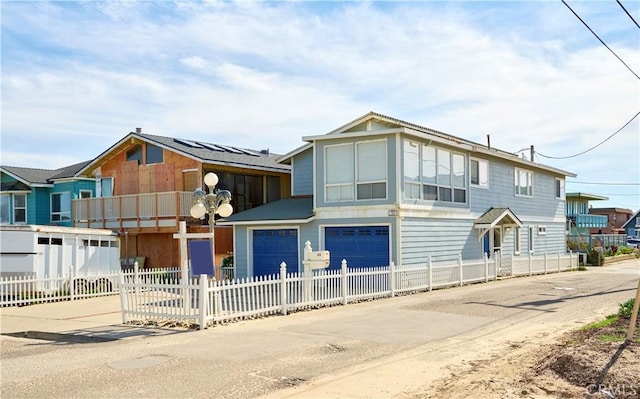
<point x="603" y="183"/>
<point x="625" y="10"/>
<point x="595" y="146"/>
<point x="601" y="41"/>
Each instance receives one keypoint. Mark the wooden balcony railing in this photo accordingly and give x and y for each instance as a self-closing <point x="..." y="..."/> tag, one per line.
<point x="136" y="211"/>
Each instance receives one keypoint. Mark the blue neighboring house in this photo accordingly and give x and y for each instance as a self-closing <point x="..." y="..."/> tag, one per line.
<point x="380" y="190"/>
<point x="42" y="196"/>
<point x="632" y="226"/>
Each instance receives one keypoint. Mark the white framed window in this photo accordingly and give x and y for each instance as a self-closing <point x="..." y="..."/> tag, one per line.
<point x="516" y="241"/>
<point x="560" y="192"/>
<point x="371" y="170"/>
<point x="479" y="170"/>
<point x="339" y="172"/>
<point x="60" y="207"/>
<point x="531" y="239"/>
<point x="19" y="208"/>
<point x="523" y="181"/>
<point x="5" y="200"/>
<point x="86" y="194"/>
<point x="411" y="170"/>
<point x="542" y="230"/>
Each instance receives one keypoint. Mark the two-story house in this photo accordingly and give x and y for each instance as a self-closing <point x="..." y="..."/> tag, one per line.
<point x="41" y="196"/>
<point x="145" y="183"/>
<point x="632" y="226"/>
<point x="380" y="190"/>
<point x="616" y="218"/>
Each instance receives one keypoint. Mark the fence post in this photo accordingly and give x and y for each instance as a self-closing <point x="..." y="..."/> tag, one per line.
<point x="202" y="300"/>
<point x="392" y="278"/>
<point x="136" y="277"/>
<point x="123" y="299"/>
<point x="460" y="268"/>
<point x="430" y="275"/>
<point x="485" y="258"/>
<point x="344" y="281"/>
<point x="530" y="264"/>
<point x="72" y="288"/>
<point x="283" y="287"/>
<point x="558" y="261"/>
<point x="545" y="262"/>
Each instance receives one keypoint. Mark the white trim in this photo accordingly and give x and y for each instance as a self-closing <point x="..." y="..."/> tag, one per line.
<point x="190" y="170"/>
<point x="517" y="241"/>
<point x="265" y="222"/>
<point x="516" y="182"/>
<point x="480" y="184"/>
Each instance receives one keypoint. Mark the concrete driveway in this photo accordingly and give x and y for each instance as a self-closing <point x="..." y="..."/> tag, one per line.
<point x="381" y="348"/>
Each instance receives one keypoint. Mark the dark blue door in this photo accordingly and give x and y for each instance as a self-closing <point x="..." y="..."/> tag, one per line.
<point x="272" y="247"/>
<point x="361" y="246"/>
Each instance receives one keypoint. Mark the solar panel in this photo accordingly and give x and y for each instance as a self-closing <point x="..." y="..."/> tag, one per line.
<point x="188" y="143"/>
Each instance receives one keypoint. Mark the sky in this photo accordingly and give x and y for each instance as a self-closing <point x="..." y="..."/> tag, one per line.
<point x="79" y="76"/>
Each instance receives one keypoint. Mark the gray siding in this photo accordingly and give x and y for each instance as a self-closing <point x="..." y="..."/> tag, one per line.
<point x="443" y="239"/>
<point x="302" y="173"/>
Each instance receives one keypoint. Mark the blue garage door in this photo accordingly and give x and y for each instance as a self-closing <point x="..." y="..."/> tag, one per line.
<point x="361" y="246"/>
<point x="272" y="247"/>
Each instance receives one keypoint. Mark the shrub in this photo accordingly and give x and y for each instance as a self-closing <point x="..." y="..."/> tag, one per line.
<point x="626" y="309"/>
<point x="595" y="258"/>
<point x="625" y="250"/>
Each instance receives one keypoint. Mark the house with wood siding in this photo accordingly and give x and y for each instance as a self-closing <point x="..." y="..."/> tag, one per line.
<point x="379" y="190"/>
<point x="145" y="184"/>
<point x="41" y="196"/>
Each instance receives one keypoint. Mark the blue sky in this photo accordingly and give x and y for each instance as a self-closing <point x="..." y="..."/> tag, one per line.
<point x="78" y="76"/>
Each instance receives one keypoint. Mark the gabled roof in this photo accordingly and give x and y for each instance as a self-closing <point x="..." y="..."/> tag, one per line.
<point x="34" y="176"/>
<point x="635" y="215"/>
<point x="201" y="151"/>
<point x="376" y="123"/>
<point x="497" y="216"/>
<point x="284" y="210"/>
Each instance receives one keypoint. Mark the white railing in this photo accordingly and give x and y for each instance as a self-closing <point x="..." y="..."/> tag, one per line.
<point x="205" y="302"/>
<point x="26" y="289"/>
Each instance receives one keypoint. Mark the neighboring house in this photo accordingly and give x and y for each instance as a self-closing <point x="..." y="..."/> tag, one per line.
<point x="616" y="218"/>
<point x="632" y="226"/>
<point x="145" y="184"/>
<point x="579" y="220"/>
<point x="380" y="190"/>
<point x="41" y="196"/>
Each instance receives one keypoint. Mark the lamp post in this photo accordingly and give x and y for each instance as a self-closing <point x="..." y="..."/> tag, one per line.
<point x="216" y="201"/>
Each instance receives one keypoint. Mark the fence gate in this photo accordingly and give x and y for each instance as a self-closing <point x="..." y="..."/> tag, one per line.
<point x="504" y="264"/>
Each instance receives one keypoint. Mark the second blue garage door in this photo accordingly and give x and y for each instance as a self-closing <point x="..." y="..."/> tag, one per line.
<point x="361" y="246"/>
<point x="272" y="247"/>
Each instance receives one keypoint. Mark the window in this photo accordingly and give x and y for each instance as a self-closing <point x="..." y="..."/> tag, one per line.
<point x="372" y="169"/>
<point x="246" y="190"/>
<point x="135" y="153"/>
<point x="516" y="241"/>
<point x="531" y="239"/>
<point x="523" y="182"/>
<point x="442" y="174"/>
<point x="154" y="154"/>
<point x="4" y="208"/>
<point x="560" y="189"/>
<point x="542" y="230"/>
<point x="479" y="172"/>
<point x="339" y="173"/>
<point x="60" y="207"/>
<point x="86" y="194"/>
<point x="19" y="208"/>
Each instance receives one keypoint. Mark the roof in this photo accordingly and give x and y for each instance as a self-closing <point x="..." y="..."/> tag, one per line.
<point x="635" y="215"/>
<point x="613" y="210"/>
<point x="585" y="196"/>
<point x="497" y="216"/>
<point x="394" y="125"/>
<point x="201" y="151"/>
<point x="288" y="209"/>
<point x="32" y="176"/>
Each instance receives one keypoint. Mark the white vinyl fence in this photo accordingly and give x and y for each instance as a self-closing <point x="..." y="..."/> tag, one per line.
<point x="28" y="288"/>
<point x="205" y="302"/>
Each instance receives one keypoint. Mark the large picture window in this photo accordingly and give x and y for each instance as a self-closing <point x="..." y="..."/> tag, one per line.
<point x="339" y="173"/>
<point x="434" y="174"/>
<point x="154" y="154"/>
<point x="523" y="182"/>
<point x="60" y="207"/>
<point x="4" y="208"/>
<point x="372" y="170"/>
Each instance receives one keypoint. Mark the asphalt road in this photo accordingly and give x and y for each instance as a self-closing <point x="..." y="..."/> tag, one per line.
<point x="318" y="353"/>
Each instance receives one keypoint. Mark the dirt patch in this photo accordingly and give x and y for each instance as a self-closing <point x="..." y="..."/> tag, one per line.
<point x="588" y="363"/>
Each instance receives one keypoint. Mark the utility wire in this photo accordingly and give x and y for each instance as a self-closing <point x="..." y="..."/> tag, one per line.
<point x="601" y="41"/>
<point x="625" y="10"/>
<point x="595" y="146"/>
<point x="603" y="183"/>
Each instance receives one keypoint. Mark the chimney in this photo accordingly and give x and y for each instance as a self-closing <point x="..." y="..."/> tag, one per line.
<point x="488" y="141"/>
<point x="265" y="152"/>
<point x="138" y="130"/>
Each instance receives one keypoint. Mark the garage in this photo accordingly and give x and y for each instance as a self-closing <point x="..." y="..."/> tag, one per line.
<point x="361" y="246"/>
<point x="272" y="247"/>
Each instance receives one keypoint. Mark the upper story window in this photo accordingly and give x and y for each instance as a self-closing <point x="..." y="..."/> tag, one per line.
<point x="523" y="181"/>
<point x="154" y="154"/>
<point x="60" y="207"/>
<point x="479" y="170"/>
<point x="19" y="208"/>
<point x="560" y="194"/>
<point x="356" y="171"/>
<point x="434" y="174"/>
<point x="4" y="208"/>
<point x="135" y="153"/>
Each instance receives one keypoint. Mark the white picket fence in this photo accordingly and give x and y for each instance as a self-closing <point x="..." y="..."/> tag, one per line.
<point x="204" y="302"/>
<point x="28" y="288"/>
